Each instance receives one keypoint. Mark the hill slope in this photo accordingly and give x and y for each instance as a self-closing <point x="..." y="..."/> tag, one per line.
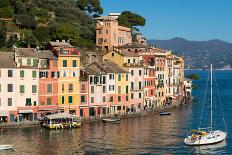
<point x="199" y="54"/>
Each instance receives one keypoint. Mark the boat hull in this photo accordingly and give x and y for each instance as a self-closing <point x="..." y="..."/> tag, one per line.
<point x="165" y="113"/>
<point x="111" y="120"/>
<point x="209" y="139"/>
<point x="6" y="147"/>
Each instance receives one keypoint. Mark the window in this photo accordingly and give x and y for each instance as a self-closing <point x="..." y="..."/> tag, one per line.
<point x="128" y="61"/>
<point x="140" y="72"/>
<point x="126" y="77"/>
<point x="70" y="87"/>
<point x="132" y="72"/>
<point x="21" y="89"/>
<point x="28" y="101"/>
<point x="140" y="95"/>
<point x="82" y="86"/>
<point x="28" y="62"/>
<point x="10" y="87"/>
<point x="111" y="98"/>
<point x="140" y="85"/>
<point x="62" y="88"/>
<point x="132" y="85"/>
<point x="43" y="74"/>
<point x="127" y="98"/>
<point x="49" y="101"/>
<point x="112" y="54"/>
<point x="34" y="89"/>
<point x="119" y="89"/>
<point x="54" y="63"/>
<point x="70" y="99"/>
<point x="64" y="74"/>
<point x="103" y="80"/>
<point x="127" y="89"/>
<point x="0" y="88"/>
<point x="49" y="88"/>
<point x="74" y="73"/>
<point x="92" y="89"/>
<point x="104" y="89"/>
<point x="119" y="77"/>
<point x="34" y="103"/>
<point x="111" y="76"/>
<point x="62" y="100"/>
<point x="91" y="80"/>
<point x="20" y="61"/>
<point x="104" y="99"/>
<point x="119" y="98"/>
<point x="106" y="31"/>
<point x="9" y="101"/>
<point x="21" y="73"/>
<point x="64" y="63"/>
<point x="74" y="63"/>
<point x="133" y="60"/>
<point x="82" y="98"/>
<point x="10" y="73"/>
<point x="33" y="74"/>
<point x="35" y="62"/>
<point x="92" y="99"/>
<point x="132" y="96"/>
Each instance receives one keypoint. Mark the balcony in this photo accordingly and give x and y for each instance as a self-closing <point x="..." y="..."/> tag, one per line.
<point x="69" y="51"/>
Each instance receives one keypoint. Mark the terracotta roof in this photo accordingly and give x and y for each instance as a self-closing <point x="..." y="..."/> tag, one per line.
<point x="127" y="53"/>
<point x="60" y="44"/>
<point x="31" y="52"/>
<point x="134" y="45"/>
<point x="7" y="60"/>
<point x="97" y="68"/>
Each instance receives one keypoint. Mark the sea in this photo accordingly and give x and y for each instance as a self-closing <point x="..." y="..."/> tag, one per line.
<point x="147" y="135"/>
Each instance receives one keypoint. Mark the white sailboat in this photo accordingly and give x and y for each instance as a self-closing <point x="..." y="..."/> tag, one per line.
<point x="203" y="137"/>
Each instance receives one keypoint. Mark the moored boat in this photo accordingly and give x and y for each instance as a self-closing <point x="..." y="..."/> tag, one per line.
<point x="111" y="120"/>
<point x="6" y="147"/>
<point x="165" y="113"/>
<point x="60" y="121"/>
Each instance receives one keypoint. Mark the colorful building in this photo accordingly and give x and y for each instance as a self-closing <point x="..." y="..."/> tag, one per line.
<point x="109" y="34"/>
<point x="68" y="82"/>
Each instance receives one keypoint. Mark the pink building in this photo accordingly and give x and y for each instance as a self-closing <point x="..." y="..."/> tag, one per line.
<point x="109" y="34"/>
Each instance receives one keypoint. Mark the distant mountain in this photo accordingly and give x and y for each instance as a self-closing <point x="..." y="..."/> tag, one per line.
<point x="199" y="54"/>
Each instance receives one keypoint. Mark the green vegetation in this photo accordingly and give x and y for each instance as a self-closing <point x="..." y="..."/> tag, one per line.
<point x="193" y="76"/>
<point x="28" y="23"/>
<point x="132" y="20"/>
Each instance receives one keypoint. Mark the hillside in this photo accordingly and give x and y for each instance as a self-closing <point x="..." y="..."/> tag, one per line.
<point x="36" y="22"/>
<point x="199" y="54"/>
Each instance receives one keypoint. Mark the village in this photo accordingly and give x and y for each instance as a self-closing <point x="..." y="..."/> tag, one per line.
<point x="122" y="76"/>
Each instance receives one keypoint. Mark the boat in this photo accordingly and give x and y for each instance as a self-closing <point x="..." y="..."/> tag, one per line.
<point x="6" y="147"/>
<point x="61" y="121"/>
<point x="111" y="120"/>
<point x="206" y="136"/>
<point x="165" y="113"/>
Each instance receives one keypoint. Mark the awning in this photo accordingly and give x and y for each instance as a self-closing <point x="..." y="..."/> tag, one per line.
<point x="4" y="113"/>
<point x="25" y="111"/>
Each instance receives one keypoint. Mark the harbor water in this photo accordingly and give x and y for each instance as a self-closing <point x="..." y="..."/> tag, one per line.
<point x="152" y="134"/>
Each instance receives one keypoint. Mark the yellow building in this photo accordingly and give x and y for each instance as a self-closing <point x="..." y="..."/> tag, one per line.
<point x="68" y="82"/>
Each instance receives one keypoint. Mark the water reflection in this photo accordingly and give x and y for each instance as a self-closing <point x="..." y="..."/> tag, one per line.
<point x="211" y="149"/>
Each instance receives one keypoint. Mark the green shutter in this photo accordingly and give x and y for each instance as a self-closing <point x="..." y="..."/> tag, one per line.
<point x="126" y="77"/>
<point x="28" y="61"/>
<point x="34" y="62"/>
<point x="22" y="90"/>
<point x="70" y="99"/>
<point x="33" y="74"/>
<point x="127" y="98"/>
<point x="62" y="99"/>
<point x="127" y="89"/>
<point x="64" y="63"/>
<point x="34" y="89"/>
<point x="49" y="88"/>
<point x="49" y="101"/>
<point x="82" y="98"/>
<point x="21" y="73"/>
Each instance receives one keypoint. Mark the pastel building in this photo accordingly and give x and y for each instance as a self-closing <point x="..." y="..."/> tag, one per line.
<point x="68" y="82"/>
<point x="133" y="64"/>
<point x="169" y="78"/>
<point x="8" y="87"/>
<point x="84" y="93"/>
<point x="109" y="34"/>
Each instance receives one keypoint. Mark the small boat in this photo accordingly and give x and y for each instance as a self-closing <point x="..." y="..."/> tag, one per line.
<point x="111" y="120"/>
<point x="165" y="113"/>
<point x="6" y="147"/>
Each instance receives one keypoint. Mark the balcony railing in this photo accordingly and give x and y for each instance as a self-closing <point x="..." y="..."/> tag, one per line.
<point x="140" y="64"/>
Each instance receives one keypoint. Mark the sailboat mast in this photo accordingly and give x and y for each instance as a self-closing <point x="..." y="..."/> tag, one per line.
<point x="211" y="96"/>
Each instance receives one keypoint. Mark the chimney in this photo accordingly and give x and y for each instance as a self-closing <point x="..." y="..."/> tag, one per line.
<point x="63" y="41"/>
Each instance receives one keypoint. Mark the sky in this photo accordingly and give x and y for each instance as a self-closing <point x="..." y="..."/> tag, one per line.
<point x="189" y="19"/>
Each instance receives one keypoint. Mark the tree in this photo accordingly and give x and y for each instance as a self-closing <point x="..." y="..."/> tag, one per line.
<point x="131" y="20"/>
<point x="42" y="35"/>
<point x="2" y="38"/>
<point x="66" y="31"/>
<point x="92" y="6"/>
<point x="28" y="38"/>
